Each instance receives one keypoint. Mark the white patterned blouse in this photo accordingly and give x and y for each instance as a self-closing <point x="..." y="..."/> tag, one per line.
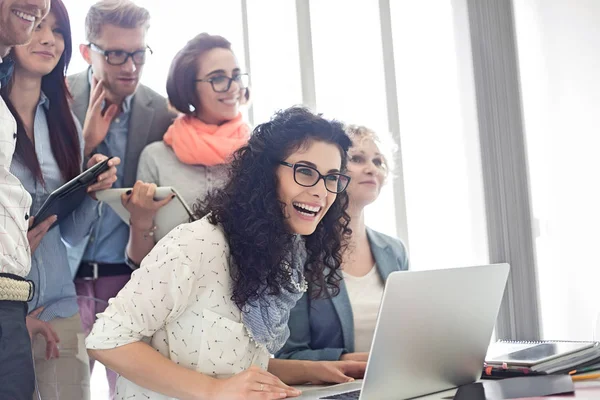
<point x="178" y="302"/>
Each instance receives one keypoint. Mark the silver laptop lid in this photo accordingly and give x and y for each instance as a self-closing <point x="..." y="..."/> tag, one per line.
<point x="433" y="330"/>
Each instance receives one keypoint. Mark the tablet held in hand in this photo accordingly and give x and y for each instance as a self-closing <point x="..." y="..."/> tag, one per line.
<point x="69" y="196"/>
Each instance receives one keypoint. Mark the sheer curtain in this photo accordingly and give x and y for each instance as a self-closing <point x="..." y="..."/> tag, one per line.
<point x="559" y="59"/>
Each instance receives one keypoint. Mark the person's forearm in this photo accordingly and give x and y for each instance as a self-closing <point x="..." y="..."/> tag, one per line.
<point x="139" y="245"/>
<point x="88" y="148"/>
<point x="308" y="354"/>
<point x="144" y="366"/>
<point x="89" y="143"/>
<point x="291" y="372"/>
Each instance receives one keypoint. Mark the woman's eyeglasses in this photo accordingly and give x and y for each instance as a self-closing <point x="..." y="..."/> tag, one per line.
<point x="308" y="176"/>
<point x="222" y="83"/>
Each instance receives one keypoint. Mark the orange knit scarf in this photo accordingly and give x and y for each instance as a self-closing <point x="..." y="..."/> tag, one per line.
<point x="196" y="142"/>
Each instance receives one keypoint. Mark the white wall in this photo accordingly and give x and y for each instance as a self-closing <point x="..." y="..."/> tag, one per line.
<point x="559" y="51"/>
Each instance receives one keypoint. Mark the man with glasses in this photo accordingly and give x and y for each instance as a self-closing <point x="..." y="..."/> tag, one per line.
<point x="120" y="117"/>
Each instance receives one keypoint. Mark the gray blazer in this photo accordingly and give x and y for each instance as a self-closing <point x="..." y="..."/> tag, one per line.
<point x="323" y="329"/>
<point x="150" y="119"/>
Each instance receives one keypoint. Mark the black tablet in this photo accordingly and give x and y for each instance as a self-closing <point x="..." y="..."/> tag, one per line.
<point x="69" y="196"/>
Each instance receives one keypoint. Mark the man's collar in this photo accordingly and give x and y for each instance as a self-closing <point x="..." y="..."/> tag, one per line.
<point x="127" y="103"/>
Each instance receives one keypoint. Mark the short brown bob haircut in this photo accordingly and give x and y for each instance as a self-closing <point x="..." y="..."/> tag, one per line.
<point x="181" y="85"/>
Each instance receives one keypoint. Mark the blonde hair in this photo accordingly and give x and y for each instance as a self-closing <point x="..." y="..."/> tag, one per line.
<point x="387" y="147"/>
<point x="121" y="13"/>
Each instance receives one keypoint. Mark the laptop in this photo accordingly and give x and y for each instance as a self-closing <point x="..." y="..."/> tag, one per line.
<point x="432" y="333"/>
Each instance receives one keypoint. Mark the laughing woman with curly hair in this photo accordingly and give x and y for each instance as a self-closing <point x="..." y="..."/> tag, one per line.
<point x="211" y="301"/>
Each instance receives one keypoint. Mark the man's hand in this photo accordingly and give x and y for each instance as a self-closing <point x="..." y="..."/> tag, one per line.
<point x="107" y="178"/>
<point x="35" y="327"/>
<point x="35" y="235"/>
<point x="97" y="122"/>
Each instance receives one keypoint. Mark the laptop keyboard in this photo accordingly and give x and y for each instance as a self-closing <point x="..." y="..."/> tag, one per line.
<point x="353" y="395"/>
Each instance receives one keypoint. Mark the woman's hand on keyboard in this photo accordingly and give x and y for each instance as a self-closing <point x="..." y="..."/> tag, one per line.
<point x="336" y="371"/>
<point x="355" y="357"/>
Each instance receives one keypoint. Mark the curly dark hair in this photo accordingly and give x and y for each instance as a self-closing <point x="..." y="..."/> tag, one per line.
<point x="253" y="219"/>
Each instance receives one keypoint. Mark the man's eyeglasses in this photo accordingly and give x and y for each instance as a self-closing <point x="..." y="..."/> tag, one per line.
<point x="120" y="57"/>
<point x="308" y="176"/>
<point x="222" y="83"/>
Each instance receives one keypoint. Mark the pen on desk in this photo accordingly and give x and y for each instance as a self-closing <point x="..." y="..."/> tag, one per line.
<point x="584" y="377"/>
<point x="586" y="369"/>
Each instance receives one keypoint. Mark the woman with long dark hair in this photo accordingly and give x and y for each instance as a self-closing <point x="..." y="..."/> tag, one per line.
<point x="342" y="327"/>
<point x="210" y="302"/>
<point x="49" y="152"/>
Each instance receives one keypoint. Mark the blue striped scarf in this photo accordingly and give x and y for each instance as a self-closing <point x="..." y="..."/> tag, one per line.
<point x="267" y="318"/>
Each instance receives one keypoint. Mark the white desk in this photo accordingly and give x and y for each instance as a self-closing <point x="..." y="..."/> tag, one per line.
<point x="583" y="390"/>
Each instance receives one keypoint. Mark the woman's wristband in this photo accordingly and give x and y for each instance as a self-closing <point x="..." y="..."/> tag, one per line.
<point x="148" y="232"/>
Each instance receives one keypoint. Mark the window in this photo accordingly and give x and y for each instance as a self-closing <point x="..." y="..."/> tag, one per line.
<point x="349" y="79"/>
<point x="440" y="151"/>
<point x="274" y="59"/>
<point x="438" y="127"/>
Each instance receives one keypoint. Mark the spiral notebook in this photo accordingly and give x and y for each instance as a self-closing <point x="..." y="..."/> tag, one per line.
<point x="543" y="356"/>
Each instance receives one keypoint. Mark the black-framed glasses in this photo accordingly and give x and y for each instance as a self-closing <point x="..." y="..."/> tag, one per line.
<point x="222" y="83"/>
<point x="307" y="176"/>
<point x="120" y="57"/>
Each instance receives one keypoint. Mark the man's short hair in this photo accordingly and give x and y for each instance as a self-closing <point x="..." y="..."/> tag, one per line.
<point x="121" y="13"/>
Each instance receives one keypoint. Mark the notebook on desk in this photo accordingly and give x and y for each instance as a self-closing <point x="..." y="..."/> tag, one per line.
<point x="517" y="388"/>
<point x="544" y="356"/>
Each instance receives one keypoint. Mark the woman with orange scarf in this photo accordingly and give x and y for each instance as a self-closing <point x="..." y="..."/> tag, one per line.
<point x="207" y="86"/>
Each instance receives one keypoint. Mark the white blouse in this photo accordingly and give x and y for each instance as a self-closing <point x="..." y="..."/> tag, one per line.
<point x="365" y="293"/>
<point x="178" y="302"/>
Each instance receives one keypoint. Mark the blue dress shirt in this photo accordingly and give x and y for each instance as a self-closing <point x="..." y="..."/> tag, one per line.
<point x="110" y="234"/>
